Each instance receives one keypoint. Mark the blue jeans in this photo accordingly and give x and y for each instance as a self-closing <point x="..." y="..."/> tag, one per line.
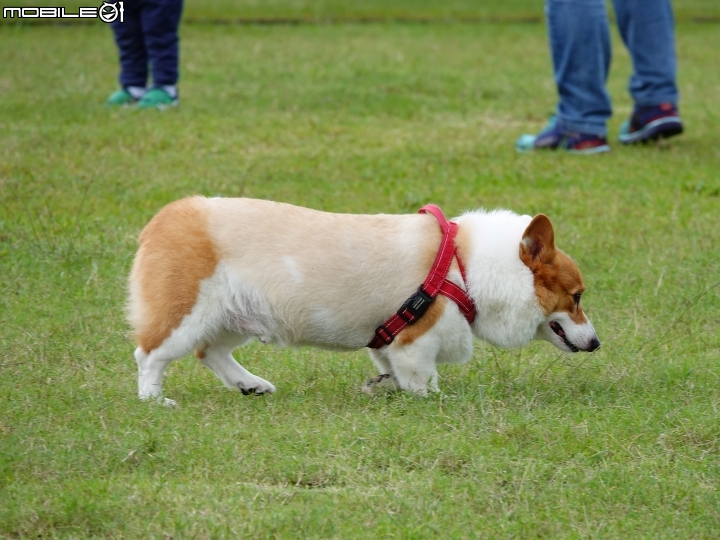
<point x="580" y="47"/>
<point x="148" y="35"/>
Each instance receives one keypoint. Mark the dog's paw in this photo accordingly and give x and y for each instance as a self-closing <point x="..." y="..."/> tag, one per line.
<point x="257" y="386"/>
<point x="382" y="381"/>
<point x="165" y="402"/>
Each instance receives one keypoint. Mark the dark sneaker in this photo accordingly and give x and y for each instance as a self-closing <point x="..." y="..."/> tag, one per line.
<point x="157" y="98"/>
<point x="651" y="123"/>
<point x="556" y="137"/>
<point x="120" y="98"/>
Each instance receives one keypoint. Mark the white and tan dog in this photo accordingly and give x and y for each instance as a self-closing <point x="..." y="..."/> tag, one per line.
<point x="210" y="274"/>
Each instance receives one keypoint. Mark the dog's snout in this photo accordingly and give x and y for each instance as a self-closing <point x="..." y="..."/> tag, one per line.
<point x="594" y="345"/>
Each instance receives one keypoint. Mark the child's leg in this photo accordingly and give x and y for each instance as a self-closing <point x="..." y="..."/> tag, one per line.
<point x="160" y="22"/>
<point x="131" y="45"/>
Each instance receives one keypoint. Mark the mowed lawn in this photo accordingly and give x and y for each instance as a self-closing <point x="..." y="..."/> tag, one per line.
<point x="364" y="118"/>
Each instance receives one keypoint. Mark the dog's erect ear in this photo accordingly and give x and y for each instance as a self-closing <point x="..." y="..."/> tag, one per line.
<point x="539" y="240"/>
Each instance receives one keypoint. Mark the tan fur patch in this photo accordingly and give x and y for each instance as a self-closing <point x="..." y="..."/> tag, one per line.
<point x="176" y="253"/>
<point x="463" y="243"/>
<point x="424" y="324"/>
<point x="557" y="277"/>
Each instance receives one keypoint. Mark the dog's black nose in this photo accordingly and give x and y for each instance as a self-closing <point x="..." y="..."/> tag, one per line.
<point x="594" y="345"/>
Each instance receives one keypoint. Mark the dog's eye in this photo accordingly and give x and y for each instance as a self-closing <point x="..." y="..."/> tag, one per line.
<point x="576" y="298"/>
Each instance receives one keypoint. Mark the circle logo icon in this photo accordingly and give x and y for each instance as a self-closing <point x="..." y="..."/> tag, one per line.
<point x="108" y="12"/>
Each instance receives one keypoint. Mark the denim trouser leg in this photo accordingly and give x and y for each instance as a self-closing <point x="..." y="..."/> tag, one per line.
<point x="647" y="28"/>
<point x="131" y="46"/>
<point x="160" y="22"/>
<point x="580" y="48"/>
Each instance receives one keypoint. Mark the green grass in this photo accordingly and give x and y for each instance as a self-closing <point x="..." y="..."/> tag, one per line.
<point x="624" y="443"/>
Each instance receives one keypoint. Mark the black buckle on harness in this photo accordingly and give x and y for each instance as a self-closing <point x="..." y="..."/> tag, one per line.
<point x="415" y="306"/>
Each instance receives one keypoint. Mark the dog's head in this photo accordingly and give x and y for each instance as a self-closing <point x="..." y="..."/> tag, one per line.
<point x="558" y="287"/>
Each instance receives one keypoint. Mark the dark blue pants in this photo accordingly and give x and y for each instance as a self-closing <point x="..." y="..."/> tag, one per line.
<point x="148" y="36"/>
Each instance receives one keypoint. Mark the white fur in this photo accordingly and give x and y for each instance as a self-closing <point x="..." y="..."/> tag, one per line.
<point x="293" y="268"/>
<point x="508" y="313"/>
<point x="580" y="335"/>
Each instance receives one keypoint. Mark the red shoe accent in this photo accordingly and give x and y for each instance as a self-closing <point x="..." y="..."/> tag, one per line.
<point x="589" y="144"/>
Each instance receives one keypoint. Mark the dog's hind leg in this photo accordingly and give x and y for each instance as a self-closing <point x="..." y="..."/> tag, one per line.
<point x="152" y="366"/>
<point x="217" y="356"/>
<point x="153" y="363"/>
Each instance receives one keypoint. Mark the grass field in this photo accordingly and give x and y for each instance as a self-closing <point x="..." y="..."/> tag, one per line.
<point x="623" y="443"/>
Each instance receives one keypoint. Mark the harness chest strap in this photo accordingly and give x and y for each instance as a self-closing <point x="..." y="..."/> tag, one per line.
<point x="436" y="283"/>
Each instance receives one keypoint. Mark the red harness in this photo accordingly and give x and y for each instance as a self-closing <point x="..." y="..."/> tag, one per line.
<point x="436" y="283"/>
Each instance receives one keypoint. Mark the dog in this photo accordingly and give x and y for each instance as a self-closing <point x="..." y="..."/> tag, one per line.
<point x="212" y="273"/>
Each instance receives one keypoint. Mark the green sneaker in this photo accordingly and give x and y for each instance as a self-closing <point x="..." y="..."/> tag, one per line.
<point x="157" y="98"/>
<point x="120" y="98"/>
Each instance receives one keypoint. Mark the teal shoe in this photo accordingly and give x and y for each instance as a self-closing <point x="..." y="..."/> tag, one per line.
<point x="120" y="98"/>
<point x="556" y="137"/>
<point x="157" y="98"/>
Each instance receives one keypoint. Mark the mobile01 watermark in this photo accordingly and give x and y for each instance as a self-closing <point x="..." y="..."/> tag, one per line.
<point x="108" y="12"/>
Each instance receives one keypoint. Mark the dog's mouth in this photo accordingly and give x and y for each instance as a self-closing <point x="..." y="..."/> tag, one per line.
<point x="558" y="329"/>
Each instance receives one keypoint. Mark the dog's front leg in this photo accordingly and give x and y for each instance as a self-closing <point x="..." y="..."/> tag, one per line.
<point x="414" y="365"/>
<point x="386" y="379"/>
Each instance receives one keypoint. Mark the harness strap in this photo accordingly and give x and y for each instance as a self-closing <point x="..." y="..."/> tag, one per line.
<point x="436" y="283"/>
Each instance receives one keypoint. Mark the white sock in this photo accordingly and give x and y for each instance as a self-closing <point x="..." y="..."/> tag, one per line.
<point x="136" y="91"/>
<point x="171" y="91"/>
